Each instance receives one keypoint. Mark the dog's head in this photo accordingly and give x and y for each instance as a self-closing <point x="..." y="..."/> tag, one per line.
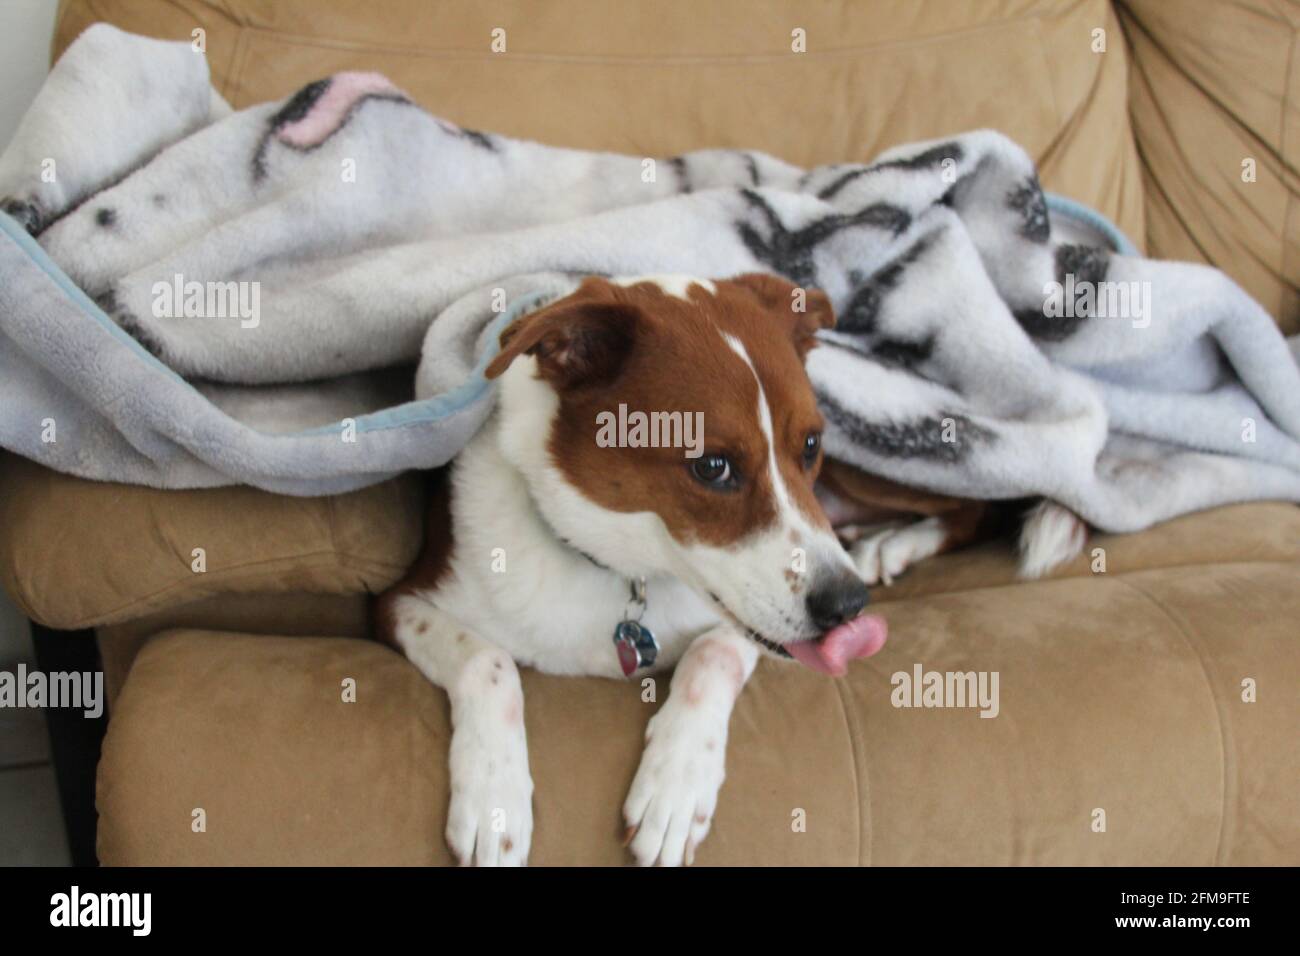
<point x="667" y="425"/>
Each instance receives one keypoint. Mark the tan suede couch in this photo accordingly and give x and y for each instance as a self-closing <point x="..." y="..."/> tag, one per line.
<point x="1121" y="691"/>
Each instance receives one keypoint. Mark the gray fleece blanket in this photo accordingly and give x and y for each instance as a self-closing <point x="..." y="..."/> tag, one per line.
<point x="302" y="296"/>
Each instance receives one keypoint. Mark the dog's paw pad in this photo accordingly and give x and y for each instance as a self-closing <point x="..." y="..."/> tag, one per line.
<point x="867" y="556"/>
<point x="907" y="546"/>
<point x="490" y="821"/>
<point x="670" y="806"/>
<point x="887" y="554"/>
<point x="896" y="556"/>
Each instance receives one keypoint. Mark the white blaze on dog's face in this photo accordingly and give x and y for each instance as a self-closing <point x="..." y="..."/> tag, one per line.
<point x="739" y="521"/>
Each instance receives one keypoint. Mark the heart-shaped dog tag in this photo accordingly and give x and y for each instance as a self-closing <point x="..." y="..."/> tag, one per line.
<point x="628" y="658"/>
<point x="636" y="647"/>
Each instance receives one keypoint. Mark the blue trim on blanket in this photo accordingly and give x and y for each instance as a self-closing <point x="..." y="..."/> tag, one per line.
<point x="1071" y="209"/>
<point x="448" y="403"/>
<point x="426" y="410"/>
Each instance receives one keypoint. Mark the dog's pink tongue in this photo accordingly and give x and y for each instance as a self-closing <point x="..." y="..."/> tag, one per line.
<point x="831" y="653"/>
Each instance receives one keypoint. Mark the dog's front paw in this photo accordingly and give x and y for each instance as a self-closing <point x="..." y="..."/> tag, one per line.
<point x="671" y="803"/>
<point x="490" y="822"/>
<point x="885" y="555"/>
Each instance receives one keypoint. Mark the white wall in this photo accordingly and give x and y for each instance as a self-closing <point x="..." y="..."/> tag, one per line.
<point x="26" y="27"/>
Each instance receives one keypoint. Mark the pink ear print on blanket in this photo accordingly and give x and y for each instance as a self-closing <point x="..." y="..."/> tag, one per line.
<point x="331" y="106"/>
<point x="319" y="110"/>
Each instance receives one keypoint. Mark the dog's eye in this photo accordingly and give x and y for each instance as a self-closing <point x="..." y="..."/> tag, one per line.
<point x="713" y="470"/>
<point x="812" y="445"/>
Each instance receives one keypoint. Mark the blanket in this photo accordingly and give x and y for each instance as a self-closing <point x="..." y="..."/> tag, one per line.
<point x="303" y="295"/>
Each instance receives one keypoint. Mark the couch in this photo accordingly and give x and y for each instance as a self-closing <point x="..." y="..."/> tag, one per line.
<point x="1128" y="732"/>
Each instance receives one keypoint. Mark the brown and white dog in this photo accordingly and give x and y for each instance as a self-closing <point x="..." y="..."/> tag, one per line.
<point x="530" y="557"/>
<point x="891" y="527"/>
<point x="553" y="549"/>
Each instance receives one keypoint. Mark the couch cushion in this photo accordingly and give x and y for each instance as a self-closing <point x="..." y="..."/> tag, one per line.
<point x="285" y="614"/>
<point x="1120" y="692"/>
<point x="1213" y="86"/>
<point x="78" y="553"/>
<point x="1236" y="534"/>
<point x="675" y="75"/>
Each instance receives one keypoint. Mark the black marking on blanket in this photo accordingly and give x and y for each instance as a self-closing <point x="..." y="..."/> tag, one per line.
<point x="751" y="165"/>
<point x="480" y="139"/>
<point x="859" y="316"/>
<point x="791" y="252"/>
<point x="1048" y="328"/>
<point x="1027" y="199"/>
<point x="49" y="218"/>
<point x="927" y="159"/>
<point x="832" y="190"/>
<point x="894" y="353"/>
<point x="1087" y="264"/>
<point x="921" y="439"/>
<point x="678" y="164"/>
<point x="129" y="324"/>
<point x="934" y="156"/>
<point x="26" y="213"/>
<point x="903" y="354"/>
<point x="299" y="105"/>
<point x="106" y="217"/>
<point x="475" y="137"/>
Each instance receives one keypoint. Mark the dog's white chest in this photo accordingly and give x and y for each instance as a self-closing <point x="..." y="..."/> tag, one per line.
<point x="545" y="604"/>
<point x="564" y="623"/>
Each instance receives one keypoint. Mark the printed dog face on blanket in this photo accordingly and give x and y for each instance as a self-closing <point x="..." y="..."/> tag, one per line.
<point x="733" y="512"/>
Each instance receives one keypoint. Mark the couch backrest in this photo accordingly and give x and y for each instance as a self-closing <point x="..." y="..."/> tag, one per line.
<point x="663" y="76"/>
<point x="1215" y="97"/>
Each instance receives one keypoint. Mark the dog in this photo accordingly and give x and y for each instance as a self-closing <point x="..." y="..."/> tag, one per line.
<point x="550" y="548"/>
<point x="547" y="549"/>
<point x="889" y="527"/>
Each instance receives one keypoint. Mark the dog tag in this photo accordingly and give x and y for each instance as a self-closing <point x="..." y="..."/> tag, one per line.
<point x="636" y="646"/>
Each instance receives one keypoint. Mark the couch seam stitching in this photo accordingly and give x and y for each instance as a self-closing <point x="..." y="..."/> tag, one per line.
<point x="310" y="562"/>
<point x="1214" y="698"/>
<point x="1281" y="145"/>
<point x="861" y="787"/>
<point x="235" y="66"/>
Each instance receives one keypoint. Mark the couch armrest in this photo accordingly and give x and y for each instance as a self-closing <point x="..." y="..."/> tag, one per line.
<point x="77" y="554"/>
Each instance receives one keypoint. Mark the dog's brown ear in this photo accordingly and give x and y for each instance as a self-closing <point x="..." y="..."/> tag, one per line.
<point x="578" y="340"/>
<point x="809" y="309"/>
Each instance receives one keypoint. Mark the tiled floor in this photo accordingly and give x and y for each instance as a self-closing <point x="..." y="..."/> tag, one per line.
<point x="31" y="822"/>
<point x="31" y="825"/>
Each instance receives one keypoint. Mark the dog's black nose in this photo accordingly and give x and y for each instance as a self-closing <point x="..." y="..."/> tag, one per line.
<point x="837" y="601"/>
